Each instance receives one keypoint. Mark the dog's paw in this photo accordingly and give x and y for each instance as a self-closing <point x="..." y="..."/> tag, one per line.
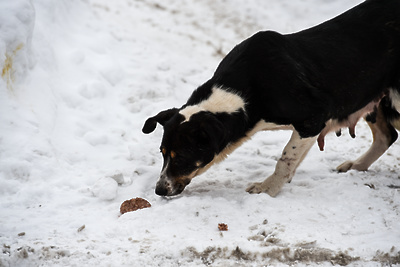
<point x="254" y="188"/>
<point x="353" y="165"/>
<point x="345" y="166"/>
<point x="257" y="188"/>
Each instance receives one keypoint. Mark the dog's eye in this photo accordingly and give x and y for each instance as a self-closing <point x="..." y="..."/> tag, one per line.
<point x="163" y="150"/>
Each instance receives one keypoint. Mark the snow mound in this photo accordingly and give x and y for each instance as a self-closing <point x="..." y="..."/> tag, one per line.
<point x="17" y="19"/>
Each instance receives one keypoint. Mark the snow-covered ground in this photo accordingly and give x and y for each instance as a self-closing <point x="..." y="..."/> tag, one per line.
<point x="78" y="80"/>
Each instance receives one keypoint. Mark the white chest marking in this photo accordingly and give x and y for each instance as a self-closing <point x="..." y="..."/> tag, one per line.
<point x="260" y="126"/>
<point x="219" y="101"/>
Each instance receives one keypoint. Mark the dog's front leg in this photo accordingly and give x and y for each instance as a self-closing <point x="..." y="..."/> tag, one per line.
<point x="292" y="156"/>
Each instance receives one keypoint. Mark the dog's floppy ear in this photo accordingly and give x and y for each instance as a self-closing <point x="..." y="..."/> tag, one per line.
<point x="161" y="118"/>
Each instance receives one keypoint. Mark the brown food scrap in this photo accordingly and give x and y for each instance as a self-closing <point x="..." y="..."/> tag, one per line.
<point x="134" y="204"/>
<point x="222" y="227"/>
<point x="80" y="229"/>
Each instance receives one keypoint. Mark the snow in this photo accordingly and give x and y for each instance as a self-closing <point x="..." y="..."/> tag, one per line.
<point x="79" y="78"/>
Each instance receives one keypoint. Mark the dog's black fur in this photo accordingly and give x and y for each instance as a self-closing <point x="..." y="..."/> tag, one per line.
<point x="325" y="73"/>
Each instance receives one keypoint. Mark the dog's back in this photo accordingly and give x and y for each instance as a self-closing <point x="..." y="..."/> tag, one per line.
<point x="322" y="73"/>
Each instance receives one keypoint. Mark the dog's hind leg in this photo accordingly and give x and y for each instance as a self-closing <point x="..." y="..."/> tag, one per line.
<point x="292" y="156"/>
<point x="384" y="135"/>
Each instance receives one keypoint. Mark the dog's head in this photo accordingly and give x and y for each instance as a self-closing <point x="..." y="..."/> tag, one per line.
<point x="187" y="146"/>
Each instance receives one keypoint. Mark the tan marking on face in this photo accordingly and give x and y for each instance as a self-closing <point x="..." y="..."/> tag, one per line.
<point x="190" y="177"/>
<point x="173" y="154"/>
<point x="163" y="150"/>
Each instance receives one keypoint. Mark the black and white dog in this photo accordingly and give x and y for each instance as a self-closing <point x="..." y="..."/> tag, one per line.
<point x="311" y="82"/>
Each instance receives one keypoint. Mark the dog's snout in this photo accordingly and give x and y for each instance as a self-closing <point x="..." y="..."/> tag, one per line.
<point x="167" y="187"/>
<point x="162" y="188"/>
<point x="161" y="191"/>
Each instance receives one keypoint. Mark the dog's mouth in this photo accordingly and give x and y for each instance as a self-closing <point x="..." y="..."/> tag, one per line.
<point x="167" y="186"/>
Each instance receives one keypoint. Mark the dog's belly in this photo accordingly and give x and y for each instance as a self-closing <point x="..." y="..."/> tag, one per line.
<point x="334" y="125"/>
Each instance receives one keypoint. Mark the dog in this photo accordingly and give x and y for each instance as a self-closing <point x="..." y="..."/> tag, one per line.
<point x="312" y="82"/>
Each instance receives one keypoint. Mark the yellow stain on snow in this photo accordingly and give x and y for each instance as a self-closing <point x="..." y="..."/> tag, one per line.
<point x="8" y="72"/>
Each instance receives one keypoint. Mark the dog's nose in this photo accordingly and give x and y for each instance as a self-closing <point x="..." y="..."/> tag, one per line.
<point x="161" y="191"/>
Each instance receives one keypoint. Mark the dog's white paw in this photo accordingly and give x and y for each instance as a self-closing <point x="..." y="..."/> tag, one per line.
<point x="254" y="188"/>
<point x="345" y="166"/>
<point x="353" y="165"/>
<point x="264" y="187"/>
